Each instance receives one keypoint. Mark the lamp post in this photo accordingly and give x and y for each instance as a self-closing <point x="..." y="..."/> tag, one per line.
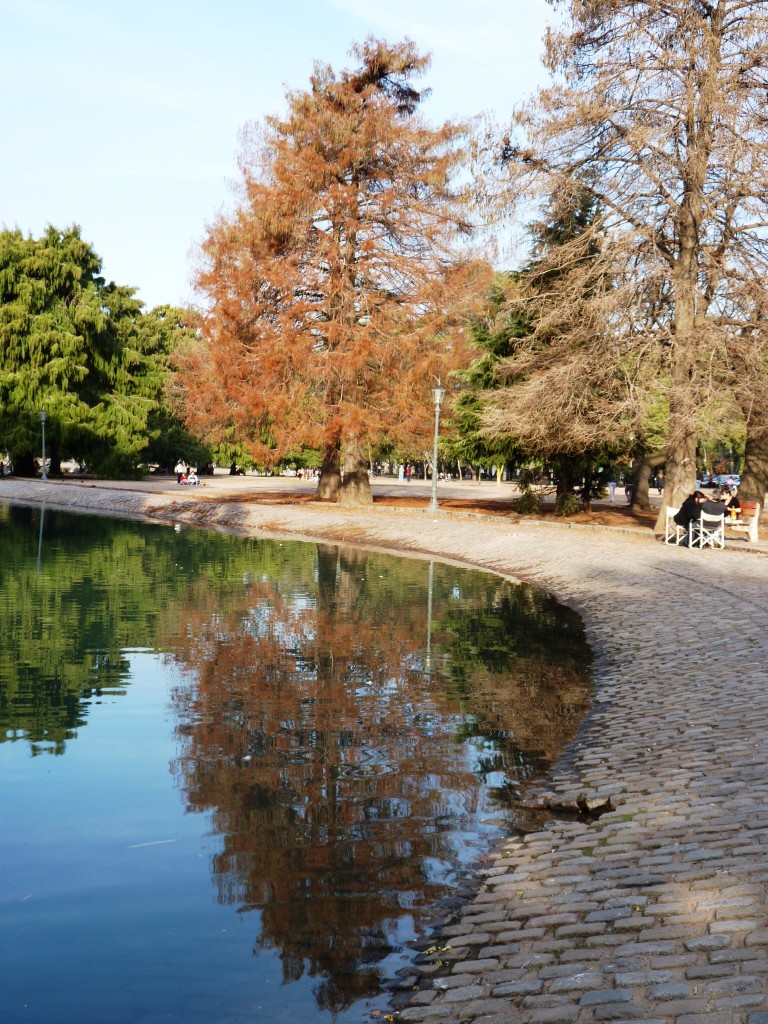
<point x="437" y="397"/>
<point x="42" y="423"/>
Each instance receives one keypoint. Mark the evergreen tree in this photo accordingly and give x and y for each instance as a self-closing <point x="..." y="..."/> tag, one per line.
<point x="80" y="349"/>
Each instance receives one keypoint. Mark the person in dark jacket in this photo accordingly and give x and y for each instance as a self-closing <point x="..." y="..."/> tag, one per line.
<point x="689" y="512"/>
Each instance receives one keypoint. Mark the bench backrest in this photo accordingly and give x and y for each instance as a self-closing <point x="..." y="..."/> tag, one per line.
<point x="748" y="508"/>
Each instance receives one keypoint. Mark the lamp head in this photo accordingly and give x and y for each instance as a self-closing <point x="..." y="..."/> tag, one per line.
<point x="438" y="394"/>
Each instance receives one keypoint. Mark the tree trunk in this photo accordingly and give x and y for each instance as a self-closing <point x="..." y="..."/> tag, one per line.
<point x="55" y="455"/>
<point x="641" y="478"/>
<point x="356" y="484"/>
<point x="682" y="437"/>
<point x="24" y="465"/>
<point x="329" y="484"/>
<point x="586" y="491"/>
<point x="754" y="479"/>
<point x="565" y="477"/>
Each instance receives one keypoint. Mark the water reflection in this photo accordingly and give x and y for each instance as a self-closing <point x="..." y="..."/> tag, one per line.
<point x="348" y="726"/>
<point x="348" y="782"/>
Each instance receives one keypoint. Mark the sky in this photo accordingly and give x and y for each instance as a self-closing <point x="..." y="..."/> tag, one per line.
<point x="125" y="118"/>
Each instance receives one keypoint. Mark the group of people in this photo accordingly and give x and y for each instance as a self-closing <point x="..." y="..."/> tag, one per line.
<point x="185" y="474"/>
<point x="722" y="502"/>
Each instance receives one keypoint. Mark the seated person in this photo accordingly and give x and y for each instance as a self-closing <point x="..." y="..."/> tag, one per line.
<point x="714" y="506"/>
<point x="692" y="508"/>
<point x="193" y="478"/>
<point x="689" y="512"/>
<point x="732" y="502"/>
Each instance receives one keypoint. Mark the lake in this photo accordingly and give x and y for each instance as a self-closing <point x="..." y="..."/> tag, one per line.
<point x="241" y="779"/>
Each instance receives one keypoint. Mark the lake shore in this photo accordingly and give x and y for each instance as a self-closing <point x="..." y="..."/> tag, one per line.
<point x="654" y="909"/>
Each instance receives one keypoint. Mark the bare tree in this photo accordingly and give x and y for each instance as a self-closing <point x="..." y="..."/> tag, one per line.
<point x="659" y="108"/>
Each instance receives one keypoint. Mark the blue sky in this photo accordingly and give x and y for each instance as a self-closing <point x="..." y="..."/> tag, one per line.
<point x="124" y="118"/>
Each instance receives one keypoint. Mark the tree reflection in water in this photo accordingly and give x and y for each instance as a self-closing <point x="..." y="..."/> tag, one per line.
<point x="348" y="782"/>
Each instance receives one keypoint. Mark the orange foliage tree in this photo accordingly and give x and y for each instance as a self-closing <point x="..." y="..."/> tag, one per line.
<point x="338" y="287"/>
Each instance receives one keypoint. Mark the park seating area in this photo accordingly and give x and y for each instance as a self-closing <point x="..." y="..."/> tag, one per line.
<point x="710" y="531"/>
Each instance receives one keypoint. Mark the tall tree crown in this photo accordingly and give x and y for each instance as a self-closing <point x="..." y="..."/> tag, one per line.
<point x="333" y="287"/>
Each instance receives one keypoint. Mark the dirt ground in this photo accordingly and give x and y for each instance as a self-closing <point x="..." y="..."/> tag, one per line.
<point x="602" y="515"/>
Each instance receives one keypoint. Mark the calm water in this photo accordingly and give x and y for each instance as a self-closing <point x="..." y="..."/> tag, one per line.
<point x="235" y="775"/>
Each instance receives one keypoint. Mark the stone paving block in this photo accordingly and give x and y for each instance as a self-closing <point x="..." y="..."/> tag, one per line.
<point x="461" y="937"/>
<point x="608" y="995"/>
<point x="578" y="982"/>
<point x="727" y="956"/>
<point x="531" y="960"/>
<point x="579" y="930"/>
<point x="708" y="942"/>
<point x="630" y="923"/>
<point x="479" y="966"/>
<point x="756" y="999"/>
<point x="518" y="988"/>
<point x="636" y="978"/>
<point x="571" y="970"/>
<point x="646" y="948"/>
<point x="499" y="952"/>
<point x="732" y="986"/>
<point x="454" y="981"/>
<point x="434" y="1012"/>
<point x="703" y="971"/>
<point x="617" y="1011"/>
<point x="610" y="914"/>
<point x="669" y="990"/>
<point x="464" y="993"/>
<point x="744" y="924"/>
<point x="554" y="1015"/>
<point x="680" y="1007"/>
<point x="546" y="1000"/>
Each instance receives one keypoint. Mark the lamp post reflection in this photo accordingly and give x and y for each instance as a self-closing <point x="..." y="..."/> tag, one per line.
<point x="40" y="537"/>
<point x="42" y="423"/>
<point x="430" y="585"/>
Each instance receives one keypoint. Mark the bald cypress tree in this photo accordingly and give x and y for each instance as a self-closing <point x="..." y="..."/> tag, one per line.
<point x="336" y="287"/>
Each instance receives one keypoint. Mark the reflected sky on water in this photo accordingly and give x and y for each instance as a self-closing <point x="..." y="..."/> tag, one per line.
<point x="237" y="775"/>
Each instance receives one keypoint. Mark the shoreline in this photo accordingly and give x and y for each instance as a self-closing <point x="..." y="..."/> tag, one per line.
<point x="656" y="909"/>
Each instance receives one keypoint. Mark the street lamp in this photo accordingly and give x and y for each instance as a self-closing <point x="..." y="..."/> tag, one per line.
<point x="42" y="422"/>
<point x="438" y="394"/>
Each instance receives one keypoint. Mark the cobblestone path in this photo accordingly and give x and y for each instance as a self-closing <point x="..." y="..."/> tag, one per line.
<point x="655" y="910"/>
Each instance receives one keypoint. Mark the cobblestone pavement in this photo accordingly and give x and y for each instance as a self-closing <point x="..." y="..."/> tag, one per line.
<point x="655" y="910"/>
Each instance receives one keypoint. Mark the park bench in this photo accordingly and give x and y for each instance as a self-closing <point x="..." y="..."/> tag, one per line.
<point x="749" y="520"/>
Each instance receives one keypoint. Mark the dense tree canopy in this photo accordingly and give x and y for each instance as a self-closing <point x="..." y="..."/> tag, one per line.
<point x="80" y="349"/>
<point x="336" y="286"/>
